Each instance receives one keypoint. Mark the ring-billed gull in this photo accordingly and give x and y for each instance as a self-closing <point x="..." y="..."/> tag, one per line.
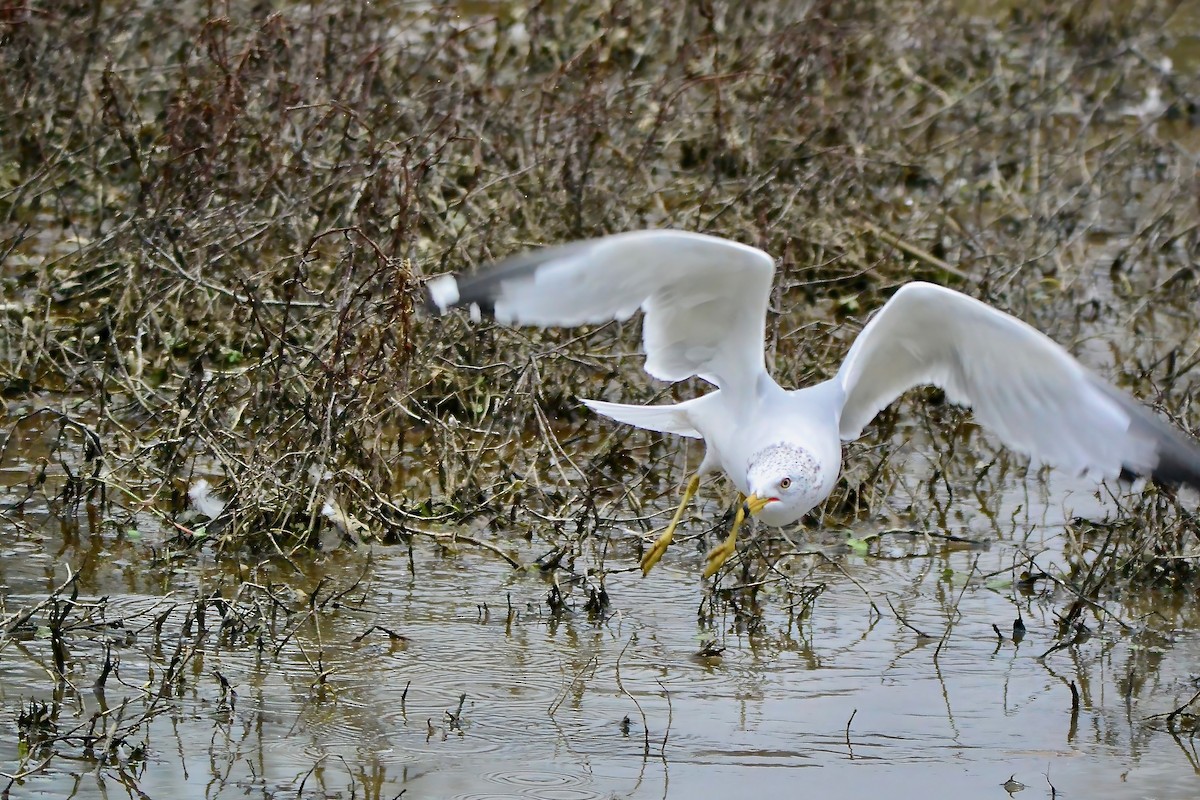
<point x="705" y="302"/>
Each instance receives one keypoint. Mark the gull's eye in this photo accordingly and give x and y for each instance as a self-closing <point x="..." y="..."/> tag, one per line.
<point x="785" y="483"/>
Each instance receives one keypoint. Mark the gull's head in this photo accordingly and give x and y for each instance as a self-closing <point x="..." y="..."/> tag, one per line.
<point x="785" y="483"/>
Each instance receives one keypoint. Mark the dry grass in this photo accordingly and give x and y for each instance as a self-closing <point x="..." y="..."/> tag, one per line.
<point x="216" y="220"/>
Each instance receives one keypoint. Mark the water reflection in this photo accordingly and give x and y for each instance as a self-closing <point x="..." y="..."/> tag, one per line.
<point x="450" y="694"/>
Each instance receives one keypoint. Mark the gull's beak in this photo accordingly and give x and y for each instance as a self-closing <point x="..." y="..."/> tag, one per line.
<point x="755" y="504"/>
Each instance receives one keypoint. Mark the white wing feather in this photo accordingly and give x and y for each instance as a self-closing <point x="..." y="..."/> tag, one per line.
<point x="1021" y="385"/>
<point x="704" y="298"/>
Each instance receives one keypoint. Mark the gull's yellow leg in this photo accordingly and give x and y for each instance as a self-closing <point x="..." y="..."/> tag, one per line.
<point x="725" y="550"/>
<point x="660" y="545"/>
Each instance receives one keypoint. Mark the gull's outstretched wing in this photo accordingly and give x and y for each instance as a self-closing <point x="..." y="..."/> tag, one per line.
<point x="1021" y="385"/>
<point x="705" y="298"/>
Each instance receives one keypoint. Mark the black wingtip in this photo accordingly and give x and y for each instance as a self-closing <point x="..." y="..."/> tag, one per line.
<point x="482" y="289"/>
<point x="476" y="292"/>
<point x="1178" y="453"/>
<point x="1178" y="465"/>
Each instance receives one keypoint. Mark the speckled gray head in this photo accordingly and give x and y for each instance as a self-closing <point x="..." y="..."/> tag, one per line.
<point x="790" y="476"/>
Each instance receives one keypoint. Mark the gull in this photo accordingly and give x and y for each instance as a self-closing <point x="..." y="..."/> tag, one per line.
<point x="704" y="303"/>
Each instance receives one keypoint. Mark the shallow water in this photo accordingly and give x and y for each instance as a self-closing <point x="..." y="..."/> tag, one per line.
<point x="554" y="704"/>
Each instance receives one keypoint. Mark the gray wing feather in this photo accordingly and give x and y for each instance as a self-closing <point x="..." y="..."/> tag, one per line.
<point x="1021" y="385"/>
<point x="704" y="298"/>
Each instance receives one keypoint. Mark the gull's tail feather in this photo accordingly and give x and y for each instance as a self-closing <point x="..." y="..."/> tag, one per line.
<point x="664" y="419"/>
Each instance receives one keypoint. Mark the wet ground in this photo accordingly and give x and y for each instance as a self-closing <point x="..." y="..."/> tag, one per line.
<point x="444" y="672"/>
